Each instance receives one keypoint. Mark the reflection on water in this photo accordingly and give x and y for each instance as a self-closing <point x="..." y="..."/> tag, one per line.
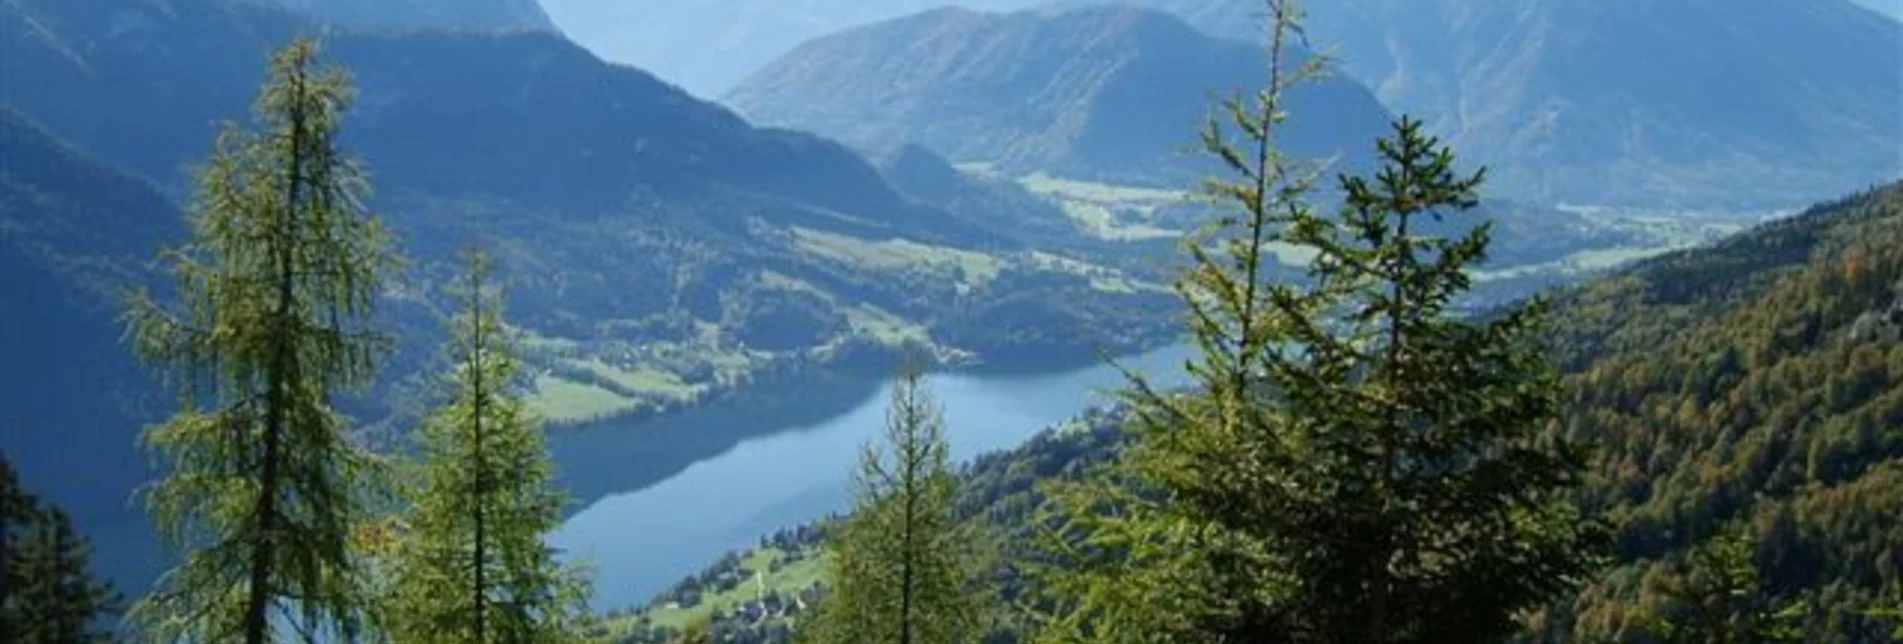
<point x="687" y="501"/>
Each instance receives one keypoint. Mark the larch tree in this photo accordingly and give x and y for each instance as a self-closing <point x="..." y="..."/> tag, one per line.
<point x="1358" y="461"/>
<point x="900" y="567"/>
<point x="275" y="290"/>
<point x="473" y="565"/>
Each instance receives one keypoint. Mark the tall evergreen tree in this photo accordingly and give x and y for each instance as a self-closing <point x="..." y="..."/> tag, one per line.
<point x="1358" y="463"/>
<point x="474" y="566"/>
<point x="277" y="284"/>
<point x="899" y="567"/>
<point x="47" y="593"/>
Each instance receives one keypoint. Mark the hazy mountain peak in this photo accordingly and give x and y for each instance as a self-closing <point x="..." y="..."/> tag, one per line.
<point x="475" y="15"/>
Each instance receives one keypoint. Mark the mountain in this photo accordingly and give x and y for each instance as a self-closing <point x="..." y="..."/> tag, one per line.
<point x="1111" y="93"/>
<point x="1699" y="104"/>
<point x="1675" y="103"/>
<point x="73" y="234"/>
<point x="661" y="251"/>
<point x="707" y="46"/>
<point x="1757" y="380"/>
<point x="474" y="15"/>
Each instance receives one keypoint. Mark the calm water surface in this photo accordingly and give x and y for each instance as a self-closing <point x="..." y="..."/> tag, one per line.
<point x="640" y="541"/>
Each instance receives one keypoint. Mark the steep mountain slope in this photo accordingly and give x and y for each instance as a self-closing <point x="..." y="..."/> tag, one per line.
<point x="71" y="237"/>
<point x="661" y="251"/>
<point x="477" y="15"/>
<point x="1109" y="93"/>
<point x="1758" y="380"/>
<point x="1693" y="103"/>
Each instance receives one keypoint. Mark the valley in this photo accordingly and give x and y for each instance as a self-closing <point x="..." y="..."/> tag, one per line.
<point x="715" y="246"/>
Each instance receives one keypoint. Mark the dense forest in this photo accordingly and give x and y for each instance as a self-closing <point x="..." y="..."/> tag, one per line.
<point x="1704" y="447"/>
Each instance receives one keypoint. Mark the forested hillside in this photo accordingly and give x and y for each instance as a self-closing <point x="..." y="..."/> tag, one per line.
<point x="1761" y="381"/>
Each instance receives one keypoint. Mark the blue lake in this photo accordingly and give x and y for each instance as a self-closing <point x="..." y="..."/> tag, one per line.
<point x="642" y="539"/>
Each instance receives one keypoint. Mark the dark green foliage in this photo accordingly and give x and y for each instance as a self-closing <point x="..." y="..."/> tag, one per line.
<point x="266" y="490"/>
<point x="47" y="592"/>
<point x="473" y="566"/>
<point x="900" y="565"/>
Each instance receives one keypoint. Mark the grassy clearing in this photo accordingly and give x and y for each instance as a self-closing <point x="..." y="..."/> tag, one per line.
<point x="644" y="380"/>
<point x="780" y="282"/>
<point x="789" y="579"/>
<point x="1102" y="223"/>
<point x="559" y="400"/>
<point x="1102" y="278"/>
<point x="886" y="327"/>
<point x="1044" y="184"/>
<point x="898" y="254"/>
<point x="537" y="343"/>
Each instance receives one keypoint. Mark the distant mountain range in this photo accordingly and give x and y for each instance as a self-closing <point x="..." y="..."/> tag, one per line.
<point x="1697" y="104"/>
<point x="1677" y="103"/>
<point x="474" y="15"/>
<point x="1108" y="93"/>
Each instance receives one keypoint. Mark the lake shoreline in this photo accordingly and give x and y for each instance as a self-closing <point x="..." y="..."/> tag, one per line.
<point x="792" y="397"/>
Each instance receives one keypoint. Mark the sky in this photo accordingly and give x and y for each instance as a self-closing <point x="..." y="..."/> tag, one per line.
<point x="1892" y="7"/>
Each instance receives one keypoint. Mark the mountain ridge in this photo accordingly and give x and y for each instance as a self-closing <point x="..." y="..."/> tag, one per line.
<point x="403" y="15"/>
<point x="1111" y="93"/>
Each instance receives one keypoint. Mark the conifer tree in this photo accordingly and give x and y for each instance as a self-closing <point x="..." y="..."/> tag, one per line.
<point x="899" y="567"/>
<point x="58" y="601"/>
<point x="47" y="593"/>
<point x="473" y="565"/>
<point x="1357" y="463"/>
<point x="16" y="511"/>
<point x="276" y="287"/>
